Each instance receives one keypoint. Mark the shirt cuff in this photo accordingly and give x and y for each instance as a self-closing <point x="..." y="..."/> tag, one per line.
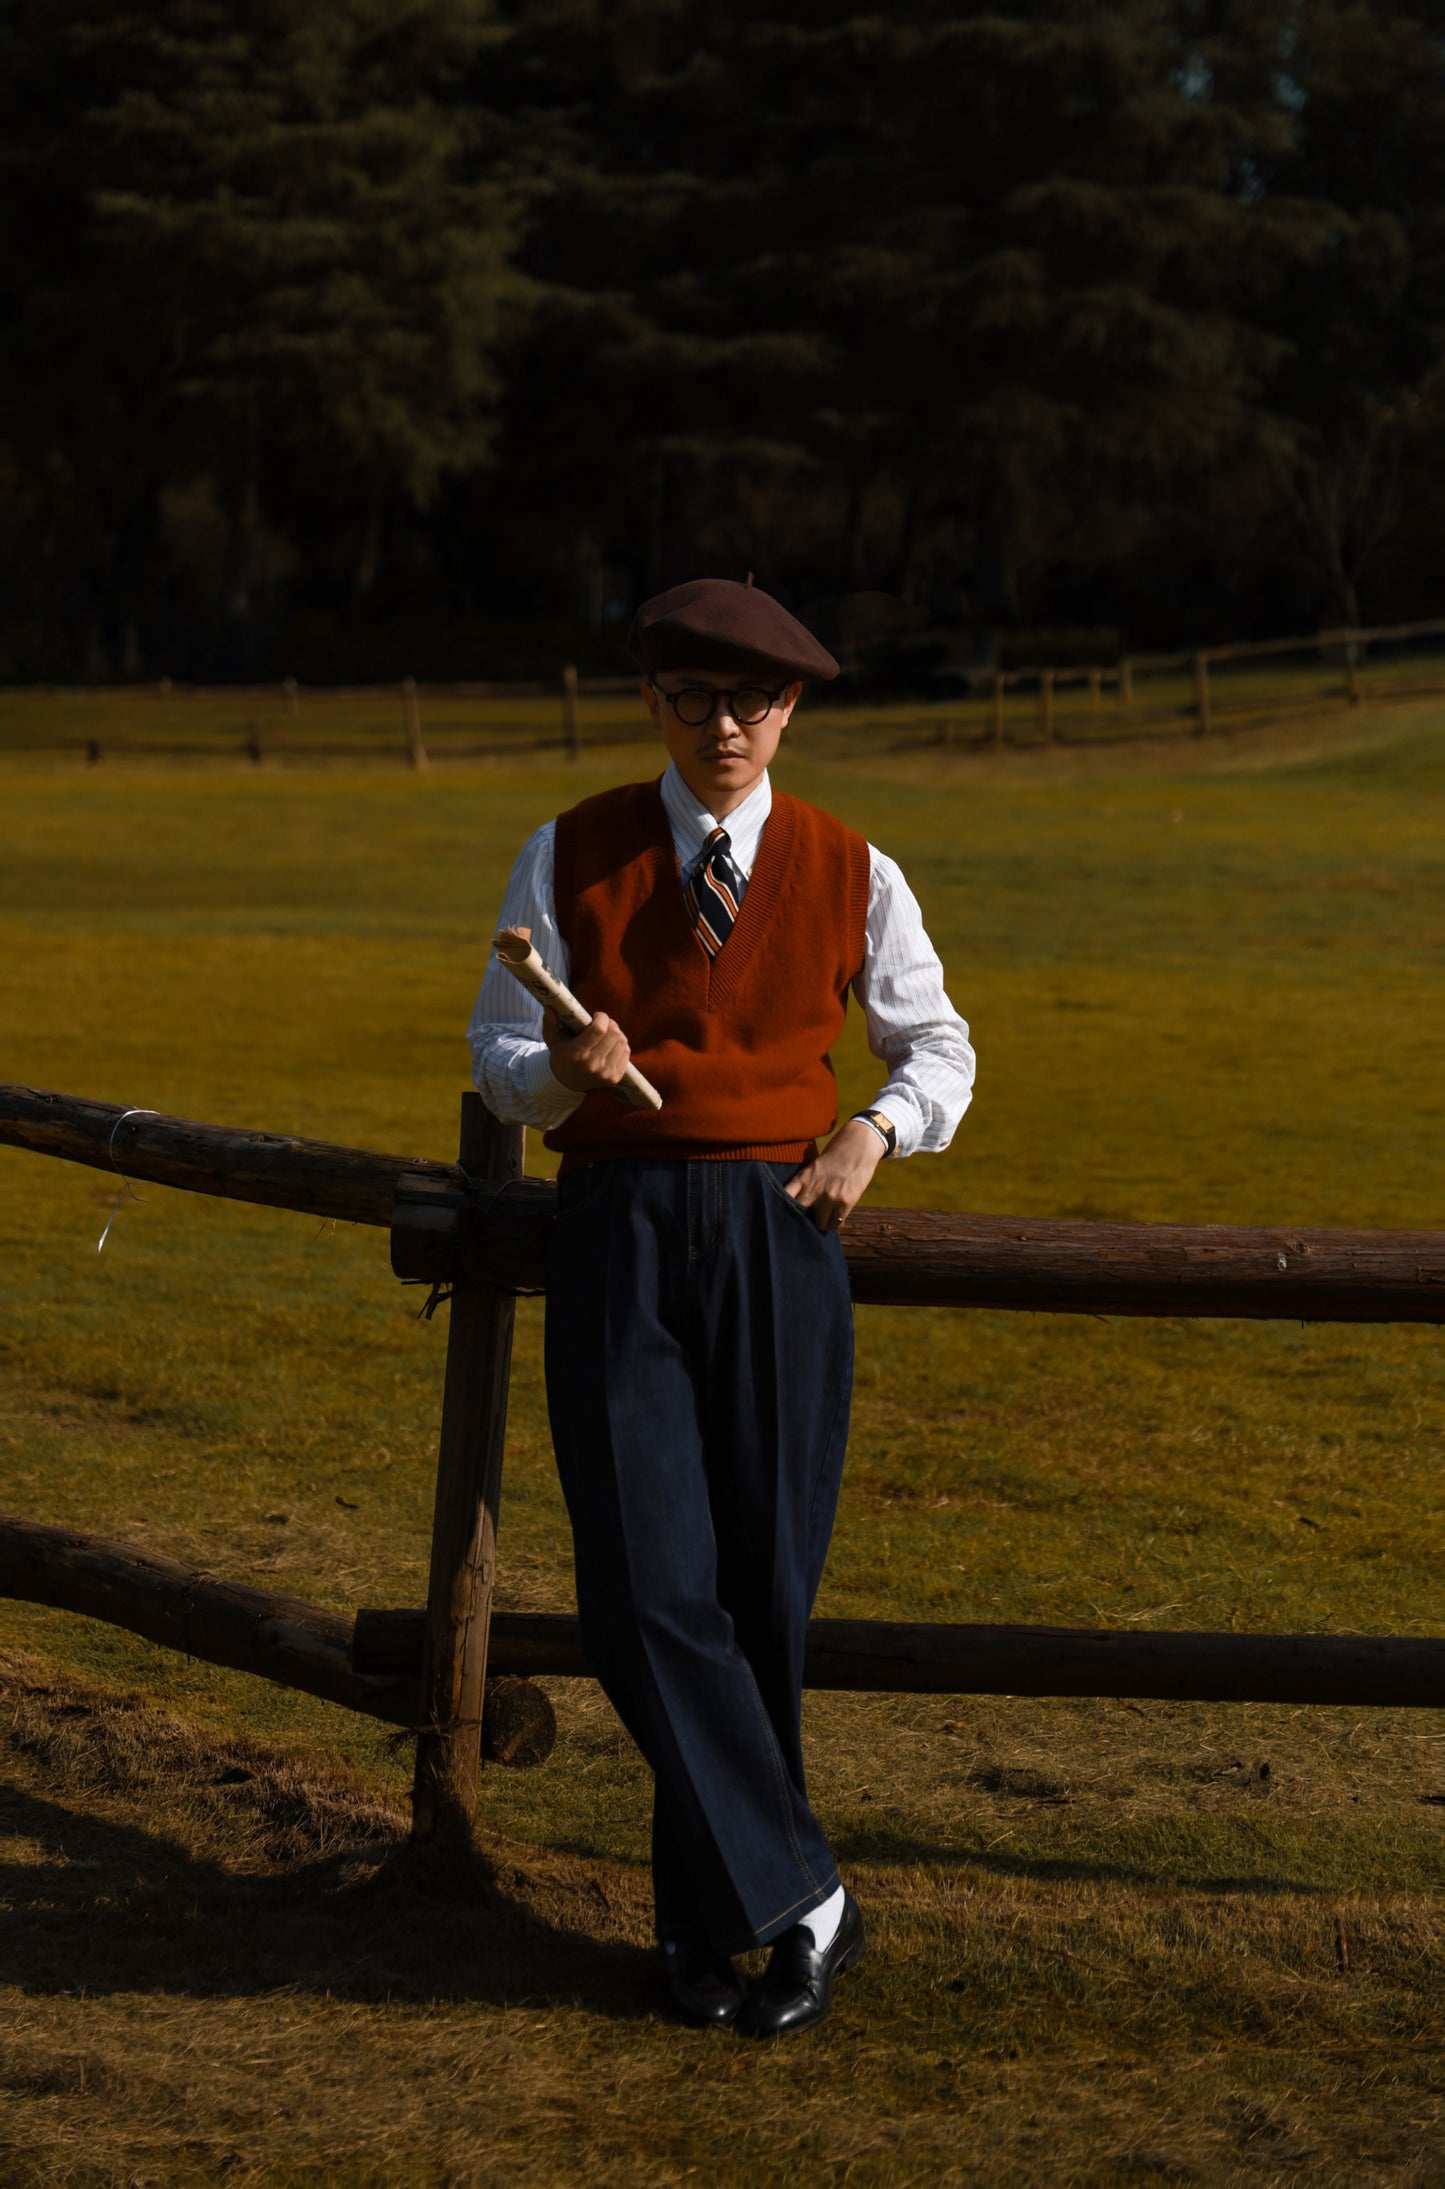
<point x="902" y="1118"/>
<point x="546" y="1090"/>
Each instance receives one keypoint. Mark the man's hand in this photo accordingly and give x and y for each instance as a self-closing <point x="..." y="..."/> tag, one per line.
<point x="832" y="1185"/>
<point x="595" y="1058"/>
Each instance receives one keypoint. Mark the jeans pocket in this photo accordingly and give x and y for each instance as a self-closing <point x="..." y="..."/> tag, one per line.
<point x="780" y="1187"/>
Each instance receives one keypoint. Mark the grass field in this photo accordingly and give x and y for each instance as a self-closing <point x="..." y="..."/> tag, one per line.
<point x="1107" y="1938"/>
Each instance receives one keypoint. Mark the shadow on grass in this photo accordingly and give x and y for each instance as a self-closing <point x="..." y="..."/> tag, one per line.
<point x="103" y="1907"/>
<point x="882" y="1848"/>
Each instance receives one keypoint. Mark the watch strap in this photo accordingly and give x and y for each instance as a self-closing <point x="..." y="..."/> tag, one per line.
<point x="883" y="1125"/>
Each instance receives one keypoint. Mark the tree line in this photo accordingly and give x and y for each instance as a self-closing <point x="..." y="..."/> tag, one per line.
<point x="366" y="336"/>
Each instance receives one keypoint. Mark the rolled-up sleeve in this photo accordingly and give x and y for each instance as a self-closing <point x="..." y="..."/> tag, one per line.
<point x="912" y="1026"/>
<point x="511" y="1068"/>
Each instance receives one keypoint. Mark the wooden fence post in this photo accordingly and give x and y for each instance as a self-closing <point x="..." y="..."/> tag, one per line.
<point x="998" y="690"/>
<point x="1201" y="693"/>
<point x="253" y="742"/>
<point x="1046" y="705"/>
<point x="571" y="734"/>
<point x="464" y="1525"/>
<point x="291" y="695"/>
<point x="1096" y="681"/>
<point x="1126" y="681"/>
<point x="416" y="752"/>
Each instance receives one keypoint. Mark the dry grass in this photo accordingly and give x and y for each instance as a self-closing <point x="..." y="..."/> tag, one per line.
<point x="220" y="1965"/>
<point x="1104" y="1939"/>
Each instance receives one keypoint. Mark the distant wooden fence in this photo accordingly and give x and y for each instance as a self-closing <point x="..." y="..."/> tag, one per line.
<point x="1198" y="701"/>
<point x="267" y="737"/>
<point x="476" y="1232"/>
<point x="1188" y="692"/>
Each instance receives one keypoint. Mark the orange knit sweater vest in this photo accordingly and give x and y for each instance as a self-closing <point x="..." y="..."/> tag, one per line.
<point x="737" y="1045"/>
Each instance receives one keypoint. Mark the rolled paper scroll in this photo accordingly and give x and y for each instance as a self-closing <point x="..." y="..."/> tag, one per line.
<point x="519" y="955"/>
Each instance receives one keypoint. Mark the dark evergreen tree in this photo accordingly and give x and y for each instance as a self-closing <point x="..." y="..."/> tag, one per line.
<point x="1361" y="314"/>
<point x="937" y="313"/>
<point x="281" y="263"/>
<point x="915" y="299"/>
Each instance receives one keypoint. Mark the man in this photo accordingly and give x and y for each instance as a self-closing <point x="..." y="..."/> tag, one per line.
<point x="699" y="1326"/>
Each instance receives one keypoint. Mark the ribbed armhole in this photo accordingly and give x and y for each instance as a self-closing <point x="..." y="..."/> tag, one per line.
<point x="860" y="889"/>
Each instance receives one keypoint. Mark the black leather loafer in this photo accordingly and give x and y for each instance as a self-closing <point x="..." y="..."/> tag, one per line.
<point x="797" y="1985"/>
<point x="703" y="1986"/>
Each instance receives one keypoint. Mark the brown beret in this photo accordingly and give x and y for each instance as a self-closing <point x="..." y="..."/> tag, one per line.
<point x="717" y="621"/>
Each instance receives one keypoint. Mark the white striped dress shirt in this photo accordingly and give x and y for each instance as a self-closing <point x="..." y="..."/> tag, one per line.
<point x="912" y="1026"/>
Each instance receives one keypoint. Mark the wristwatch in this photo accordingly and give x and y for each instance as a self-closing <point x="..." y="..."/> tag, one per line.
<point x="882" y="1124"/>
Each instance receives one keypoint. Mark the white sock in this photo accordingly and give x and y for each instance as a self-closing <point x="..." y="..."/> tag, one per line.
<point x="823" y="1922"/>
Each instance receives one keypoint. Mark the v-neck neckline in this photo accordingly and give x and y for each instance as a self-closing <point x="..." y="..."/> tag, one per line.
<point x="723" y="973"/>
<point x="685" y="811"/>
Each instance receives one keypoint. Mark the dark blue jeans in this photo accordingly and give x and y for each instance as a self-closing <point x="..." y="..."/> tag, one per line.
<point x="699" y="1370"/>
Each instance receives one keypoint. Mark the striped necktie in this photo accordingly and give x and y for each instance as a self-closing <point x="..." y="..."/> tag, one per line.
<point x="714" y="893"/>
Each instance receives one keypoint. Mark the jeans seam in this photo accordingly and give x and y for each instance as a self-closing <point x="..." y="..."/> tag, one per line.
<point x="843" y="1398"/>
<point x="803" y="1900"/>
<point x="783" y="1784"/>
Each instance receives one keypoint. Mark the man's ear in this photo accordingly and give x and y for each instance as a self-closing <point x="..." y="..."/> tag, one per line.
<point x="652" y="702"/>
<point x="791" y="697"/>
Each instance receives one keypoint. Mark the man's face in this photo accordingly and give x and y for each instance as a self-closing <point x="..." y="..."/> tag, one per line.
<point x="721" y="758"/>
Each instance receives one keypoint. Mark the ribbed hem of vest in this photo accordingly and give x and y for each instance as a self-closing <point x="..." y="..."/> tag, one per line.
<point x="687" y="1151"/>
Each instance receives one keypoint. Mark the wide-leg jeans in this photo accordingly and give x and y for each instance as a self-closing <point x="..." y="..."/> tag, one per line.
<point x="699" y="1373"/>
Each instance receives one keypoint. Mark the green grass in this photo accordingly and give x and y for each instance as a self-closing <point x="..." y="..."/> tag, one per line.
<point x="1203" y="985"/>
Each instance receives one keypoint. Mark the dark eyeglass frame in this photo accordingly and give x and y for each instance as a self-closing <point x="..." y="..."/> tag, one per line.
<point x="712" y="695"/>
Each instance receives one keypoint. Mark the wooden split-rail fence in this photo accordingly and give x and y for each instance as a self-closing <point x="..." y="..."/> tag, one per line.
<point x="265" y="738"/>
<point x="476" y="1231"/>
<point x="1185" y="690"/>
<point x="1194" y="690"/>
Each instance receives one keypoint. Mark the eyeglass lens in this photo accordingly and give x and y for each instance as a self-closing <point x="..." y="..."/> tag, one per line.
<point x="696" y="705"/>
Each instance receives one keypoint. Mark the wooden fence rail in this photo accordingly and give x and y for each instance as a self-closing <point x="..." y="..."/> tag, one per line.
<point x="279" y="1638"/>
<point x="1201" y="702"/>
<point x="259" y="745"/>
<point x="447" y="1229"/>
<point x="479" y="1227"/>
<point x="372" y="1664"/>
<point x="888" y="1656"/>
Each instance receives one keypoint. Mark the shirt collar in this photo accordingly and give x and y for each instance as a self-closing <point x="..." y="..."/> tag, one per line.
<point x="692" y="824"/>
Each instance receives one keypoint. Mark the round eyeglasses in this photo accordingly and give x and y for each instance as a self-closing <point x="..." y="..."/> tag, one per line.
<point x="696" y="704"/>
